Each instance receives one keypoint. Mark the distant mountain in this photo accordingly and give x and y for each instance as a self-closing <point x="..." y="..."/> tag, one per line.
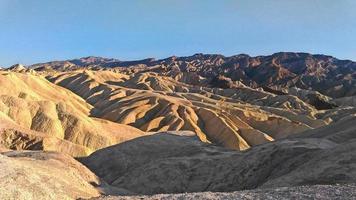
<point x="17" y="68"/>
<point x="326" y="74"/>
<point x="92" y="60"/>
<point x="89" y="61"/>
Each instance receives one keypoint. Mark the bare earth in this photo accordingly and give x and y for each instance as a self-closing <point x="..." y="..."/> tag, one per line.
<point x="197" y="127"/>
<point x="321" y="192"/>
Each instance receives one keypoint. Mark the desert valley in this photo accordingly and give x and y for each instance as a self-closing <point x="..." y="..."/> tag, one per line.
<point x="195" y="127"/>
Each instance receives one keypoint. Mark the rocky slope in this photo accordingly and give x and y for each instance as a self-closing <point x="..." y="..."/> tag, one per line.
<point x="236" y="118"/>
<point x="320" y="192"/>
<point x="178" y="162"/>
<point x="40" y="176"/>
<point x="168" y="163"/>
<point x="36" y="114"/>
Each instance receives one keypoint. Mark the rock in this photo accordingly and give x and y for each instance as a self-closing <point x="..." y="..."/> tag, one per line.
<point x="166" y="163"/>
<point x="321" y="192"/>
<point x="39" y="175"/>
<point x="17" y="68"/>
<point x="38" y="115"/>
<point x="328" y="75"/>
<point x="151" y="102"/>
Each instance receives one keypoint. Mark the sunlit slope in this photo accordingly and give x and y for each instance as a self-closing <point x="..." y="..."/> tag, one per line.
<point x="30" y="102"/>
<point x="44" y="175"/>
<point x="236" y="118"/>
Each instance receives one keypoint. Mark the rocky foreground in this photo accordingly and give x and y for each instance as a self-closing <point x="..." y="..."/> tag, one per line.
<point x="321" y="192"/>
<point x="39" y="176"/>
<point x="169" y="163"/>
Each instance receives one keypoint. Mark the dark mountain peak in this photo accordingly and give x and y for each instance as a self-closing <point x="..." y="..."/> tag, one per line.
<point x="241" y="55"/>
<point x="92" y="60"/>
<point x="204" y="56"/>
<point x="197" y="55"/>
<point x="17" y="67"/>
<point x="289" y="53"/>
<point x="171" y="58"/>
<point x="92" y="57"/>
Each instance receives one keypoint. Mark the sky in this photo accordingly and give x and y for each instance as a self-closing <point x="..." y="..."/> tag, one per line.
<point x="33" y="31"/>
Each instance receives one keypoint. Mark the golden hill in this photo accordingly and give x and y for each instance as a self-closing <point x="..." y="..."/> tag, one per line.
<point x="35" y="113"/>
<point x="39" y="176"/>
<point x="85" y="110"/>
<point x="237" y="118"/>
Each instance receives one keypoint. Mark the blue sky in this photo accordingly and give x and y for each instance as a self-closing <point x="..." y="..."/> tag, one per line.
<point x="34" y="31"/>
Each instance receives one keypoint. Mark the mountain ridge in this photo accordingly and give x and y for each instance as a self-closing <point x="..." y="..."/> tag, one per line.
<point x="108" y="59"/>
<point x="325" y="74"/>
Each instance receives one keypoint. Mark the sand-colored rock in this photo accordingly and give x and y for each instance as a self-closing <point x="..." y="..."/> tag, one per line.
<point x="168" y="163"/>
<point x="17" y="68"/>
<point x="319" y="192"/>
<point x="52" y="118"/>
<point x="41" y="176"/>
<point x="236" y="118"/>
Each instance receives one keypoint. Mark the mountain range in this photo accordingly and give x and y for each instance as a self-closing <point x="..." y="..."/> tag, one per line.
<point x="325" y="74"/>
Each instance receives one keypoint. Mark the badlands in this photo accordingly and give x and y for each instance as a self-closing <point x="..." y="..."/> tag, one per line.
<point x="207" y="125"/>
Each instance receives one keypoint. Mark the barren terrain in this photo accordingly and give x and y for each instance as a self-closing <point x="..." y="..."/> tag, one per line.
<point x="278" y="126"/>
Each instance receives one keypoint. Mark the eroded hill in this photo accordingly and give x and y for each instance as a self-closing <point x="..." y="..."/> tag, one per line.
<point x="38" y="115"/>
<point x="237" y="118"/>
<point x="169" y="163"/>
<point x="151" y="98"/>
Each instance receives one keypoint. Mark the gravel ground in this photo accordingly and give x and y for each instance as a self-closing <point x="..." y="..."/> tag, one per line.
<point x="342" y="192"/>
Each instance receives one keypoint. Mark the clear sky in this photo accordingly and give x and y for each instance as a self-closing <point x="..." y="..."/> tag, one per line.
<point x="34" y="31"/>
